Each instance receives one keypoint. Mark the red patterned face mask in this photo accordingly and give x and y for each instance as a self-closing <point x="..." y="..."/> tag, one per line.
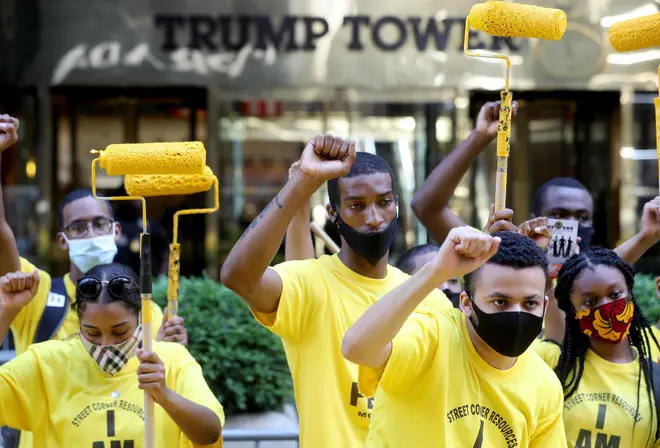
<point x="608" y="323"/>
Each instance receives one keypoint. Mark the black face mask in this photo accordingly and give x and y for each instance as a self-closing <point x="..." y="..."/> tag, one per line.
<point x="454" y="297"/>
<point x="373" y="246"/>
<point x="509" y="333"/>
<point x="585" y="233"/>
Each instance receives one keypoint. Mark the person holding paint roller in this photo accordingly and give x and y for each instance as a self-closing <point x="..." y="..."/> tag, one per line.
<point x="168" y="159"/>
<point x="310" y="303"/>
<point x="88" y="391"/>
<point x="462" y="378"/>
<point x="89" y="237"/>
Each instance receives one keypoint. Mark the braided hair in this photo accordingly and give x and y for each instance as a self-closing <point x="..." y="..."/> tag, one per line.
<point x="570" y="367"/>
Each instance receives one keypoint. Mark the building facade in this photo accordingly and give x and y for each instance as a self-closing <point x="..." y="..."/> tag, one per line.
<point x="255" y="80"/>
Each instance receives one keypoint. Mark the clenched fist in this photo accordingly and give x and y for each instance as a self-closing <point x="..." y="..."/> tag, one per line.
<point x="326" y="157"/>
<point x="17" y="289"/>
<point x="8" y="131"/>
<point x="465" y="250"/>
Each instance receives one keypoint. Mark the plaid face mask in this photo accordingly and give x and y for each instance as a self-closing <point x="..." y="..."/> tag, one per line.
<point x="113" y="358"/>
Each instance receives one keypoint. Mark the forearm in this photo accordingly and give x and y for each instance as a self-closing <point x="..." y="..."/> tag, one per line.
<point x="9" y="259"/>
<point x="6" y="319"/>
<point x="198" y="423"/>
<point x="438" y="189"/>
<point x="555" y="320"/>
<point x="377" y="327"/>
<point x="634" y="248"/>
<point x="298" y="244"/>
<point x="253" y="253"/>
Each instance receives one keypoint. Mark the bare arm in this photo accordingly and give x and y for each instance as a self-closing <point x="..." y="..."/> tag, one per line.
<point x="431" y="202"/>
<point x="198" y="423"/>
<point x="298" y="244"/>
<point x="9" y="261"/>
<point x="246" y="269"/>
<point x="17" y="289"/>
<point x="634" y="248"/>
<point x="369" y="341"/>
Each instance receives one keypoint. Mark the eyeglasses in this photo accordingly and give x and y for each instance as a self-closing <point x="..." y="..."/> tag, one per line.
<point x="80" y="229"/>
<point x="118" y="287"/>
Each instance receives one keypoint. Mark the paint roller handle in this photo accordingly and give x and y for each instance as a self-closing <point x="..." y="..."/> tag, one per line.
<point x="318" y="231"/>
<point x="145" y="264"/>
<point x="503" y="135"/>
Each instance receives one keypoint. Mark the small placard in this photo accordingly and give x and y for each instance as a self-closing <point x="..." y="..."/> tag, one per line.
<point x="55" y="300"/>
<point x="563" y="243"/>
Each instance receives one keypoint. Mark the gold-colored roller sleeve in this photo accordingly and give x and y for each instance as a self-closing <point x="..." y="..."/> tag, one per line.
<point x="169" y="184"/>
<point x="635" y="34"/>
<point x="504" y="19"/>
<point x="153" y="158"/>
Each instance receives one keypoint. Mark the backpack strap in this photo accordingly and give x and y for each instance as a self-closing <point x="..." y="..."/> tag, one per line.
<point x="655" y="379"/>
<point x="57" y="307"/>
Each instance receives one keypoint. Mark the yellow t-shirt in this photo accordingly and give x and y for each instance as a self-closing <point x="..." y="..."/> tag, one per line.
<point x="58" y="392"/>
<point x="655" y="350"/>
<point x="602" y="411"/>
<point x="320" y="300"/>
<point x="24" y="327"/>
<point x="437" y="391"/>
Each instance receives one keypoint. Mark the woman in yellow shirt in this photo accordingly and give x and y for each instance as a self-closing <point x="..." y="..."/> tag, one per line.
<point x="603" y="363"/>
<point x="89" y="391"/>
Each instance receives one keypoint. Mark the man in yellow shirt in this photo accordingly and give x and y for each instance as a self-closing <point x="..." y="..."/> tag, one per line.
<point x="462" y="378"/>
<point x="311" y="303"/>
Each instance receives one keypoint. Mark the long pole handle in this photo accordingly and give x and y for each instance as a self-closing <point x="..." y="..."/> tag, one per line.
<point x="147" y="333"/>
<point x="503" y="136"/>
<point x="318" y="231"/>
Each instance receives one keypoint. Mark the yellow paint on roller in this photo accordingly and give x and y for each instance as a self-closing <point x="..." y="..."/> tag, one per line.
<point x="635" y="34"/>
<point x="504" y="19"/>
<point x="153" y="158"/>
<point x="169" y="184"/>
<point x="504" y="127"/>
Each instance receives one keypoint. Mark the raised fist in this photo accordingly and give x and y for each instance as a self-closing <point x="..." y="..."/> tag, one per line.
<point x="8" y="131"/>
<point x="464" y="251"/>
<point x="326" y="157"/>
<point x="17" y="289"/>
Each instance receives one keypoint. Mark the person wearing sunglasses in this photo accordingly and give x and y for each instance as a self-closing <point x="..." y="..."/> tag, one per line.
<point x="89" y="390"/>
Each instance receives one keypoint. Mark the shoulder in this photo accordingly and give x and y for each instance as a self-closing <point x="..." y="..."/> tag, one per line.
<point x="301" y="267"/>
<point x="57" y="350"/>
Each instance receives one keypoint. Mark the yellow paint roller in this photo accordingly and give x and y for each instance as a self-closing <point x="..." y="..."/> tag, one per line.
<point x="148" y="158"/>
<point x="175" y="185"/>
<point x="635" y="34"/>
<point x="153" y="158"/>
<point x="638" y="34"/>
<point x="503" y="19"/>
<point x="329" y="243"/>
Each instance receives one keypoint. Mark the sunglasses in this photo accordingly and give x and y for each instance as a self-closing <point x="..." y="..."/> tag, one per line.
<point x="118" y="287"/>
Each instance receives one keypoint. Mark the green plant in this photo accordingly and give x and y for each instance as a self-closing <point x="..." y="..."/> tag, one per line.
<point x="646" y="297"/>
<point x="243" y="363"/>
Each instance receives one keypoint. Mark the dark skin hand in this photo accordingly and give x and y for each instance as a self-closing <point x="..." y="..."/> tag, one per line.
<point x="431" y="202"/>
<point x="172" y="330"/>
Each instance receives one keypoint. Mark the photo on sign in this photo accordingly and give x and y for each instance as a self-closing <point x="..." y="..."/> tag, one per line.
<point x="562" y="245"/>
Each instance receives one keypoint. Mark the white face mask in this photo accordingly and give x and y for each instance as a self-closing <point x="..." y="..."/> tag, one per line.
<point x="113" y="358"/>
<point x="87" y="253"/>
